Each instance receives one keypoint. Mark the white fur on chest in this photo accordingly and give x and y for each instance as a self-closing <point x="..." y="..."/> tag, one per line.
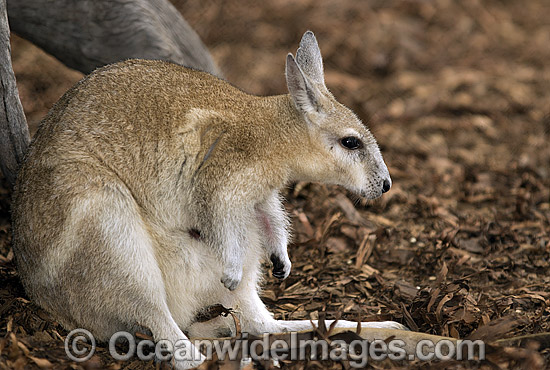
<point x="192" y="274"/>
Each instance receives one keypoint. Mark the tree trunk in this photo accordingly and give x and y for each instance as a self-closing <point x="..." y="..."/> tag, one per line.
<point x="87" y="34"/>
<point x="14" y="133"/>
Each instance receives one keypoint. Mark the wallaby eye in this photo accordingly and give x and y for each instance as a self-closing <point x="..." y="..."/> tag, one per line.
<point x="351" y="142"/>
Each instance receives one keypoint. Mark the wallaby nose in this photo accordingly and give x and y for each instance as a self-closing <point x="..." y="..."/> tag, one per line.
<point x="386" y="185"/>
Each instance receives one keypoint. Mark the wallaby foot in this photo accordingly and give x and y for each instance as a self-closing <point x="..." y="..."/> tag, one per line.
<point x="257" y="320"/>
<point x="299" y="325"/>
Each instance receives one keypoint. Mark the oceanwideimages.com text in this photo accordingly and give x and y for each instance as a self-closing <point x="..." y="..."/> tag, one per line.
<point x="80" y="346"/>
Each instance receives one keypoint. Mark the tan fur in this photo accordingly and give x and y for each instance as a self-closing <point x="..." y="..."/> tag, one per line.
<point x="139" y="154"/>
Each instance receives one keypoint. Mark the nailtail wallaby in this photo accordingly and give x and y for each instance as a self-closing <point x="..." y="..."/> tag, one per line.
<point x="151" y="191"/>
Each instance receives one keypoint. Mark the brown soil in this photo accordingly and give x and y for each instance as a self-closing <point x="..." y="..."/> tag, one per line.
<point x="458" y="96"/>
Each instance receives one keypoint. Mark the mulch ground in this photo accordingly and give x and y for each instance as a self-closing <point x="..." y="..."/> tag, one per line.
<point x="458" y="96"/>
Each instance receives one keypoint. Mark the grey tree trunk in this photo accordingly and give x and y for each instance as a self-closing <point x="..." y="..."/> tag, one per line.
<point x="86" y="34"/>
<point x="14" y="132"/>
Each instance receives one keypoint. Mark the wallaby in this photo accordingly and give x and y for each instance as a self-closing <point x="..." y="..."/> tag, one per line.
<point x="151" y="191"/>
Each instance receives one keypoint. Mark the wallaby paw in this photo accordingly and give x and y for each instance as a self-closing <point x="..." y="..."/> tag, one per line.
<point x="281" y="267"/>
<point x="231" y="279"/>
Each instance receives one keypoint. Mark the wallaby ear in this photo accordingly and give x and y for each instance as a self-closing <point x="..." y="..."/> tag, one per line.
<point x="309" y="58"/>
<point x="303" y="93"/>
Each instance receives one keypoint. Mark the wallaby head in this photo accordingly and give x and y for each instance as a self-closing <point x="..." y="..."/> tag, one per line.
<point x="350" y="155"/>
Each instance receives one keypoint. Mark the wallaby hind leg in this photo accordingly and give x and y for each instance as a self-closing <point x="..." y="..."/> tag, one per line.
<point x="112" y="279"/>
